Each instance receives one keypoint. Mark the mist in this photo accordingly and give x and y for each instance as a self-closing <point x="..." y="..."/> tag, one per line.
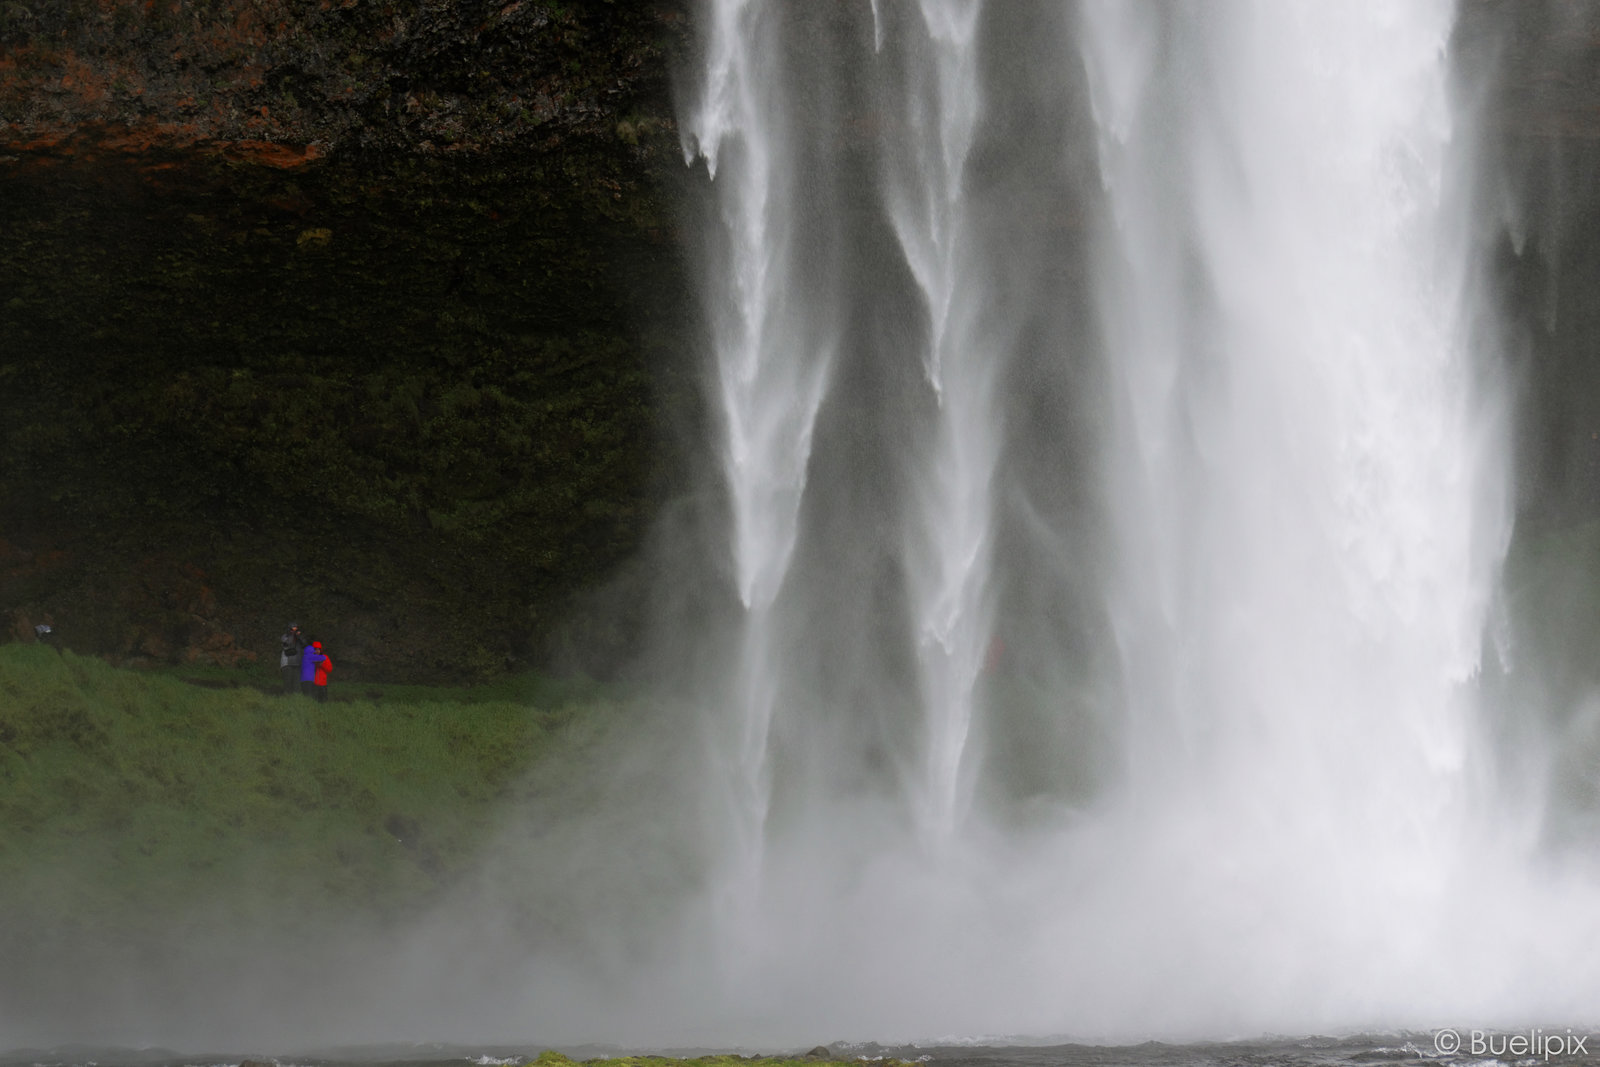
<point x="1134" y="583"/>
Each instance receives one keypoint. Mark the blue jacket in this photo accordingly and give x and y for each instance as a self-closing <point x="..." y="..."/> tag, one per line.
<point x="308" y="664"/>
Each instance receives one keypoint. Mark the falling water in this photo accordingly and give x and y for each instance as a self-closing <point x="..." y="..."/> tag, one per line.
<point x="1301" y="484"/>
<point x="772" y="362"/>
<point x="949" y="536"/>
<point x="1114" y="496"/>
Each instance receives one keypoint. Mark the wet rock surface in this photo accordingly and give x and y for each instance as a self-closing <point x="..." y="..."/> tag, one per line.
<point x="363" y="313"/>
<point x="429" y="75"/>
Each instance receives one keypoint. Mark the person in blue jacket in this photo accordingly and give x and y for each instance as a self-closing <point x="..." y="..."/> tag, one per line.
<point x="308" y="667"/>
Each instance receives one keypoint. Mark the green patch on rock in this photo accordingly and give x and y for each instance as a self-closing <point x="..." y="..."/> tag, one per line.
<point x="556" y="1059"/>
<point x="413" y="402"/>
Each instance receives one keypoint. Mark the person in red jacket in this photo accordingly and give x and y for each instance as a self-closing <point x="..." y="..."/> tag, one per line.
<point x="323" y="667"/>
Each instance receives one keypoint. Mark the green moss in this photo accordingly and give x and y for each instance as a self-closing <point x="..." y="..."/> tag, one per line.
<point x="1550" y="610"/>
<point x="409" y="399"/>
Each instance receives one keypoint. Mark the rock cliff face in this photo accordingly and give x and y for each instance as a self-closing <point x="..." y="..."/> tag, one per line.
<point x="362" y="313"/>
<point x="1542" y="200"/>
<point x="370" y="313"/>
<point x="283" y="80"/>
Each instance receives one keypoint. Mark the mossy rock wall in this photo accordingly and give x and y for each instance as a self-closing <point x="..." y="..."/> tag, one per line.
<point x="403" y="388"/>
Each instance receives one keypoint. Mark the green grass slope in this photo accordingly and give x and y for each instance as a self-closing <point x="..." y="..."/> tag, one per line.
<point x="129" y="798"/>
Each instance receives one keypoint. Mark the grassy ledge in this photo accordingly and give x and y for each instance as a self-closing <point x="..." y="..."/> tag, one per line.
<point x="128" y="797"/>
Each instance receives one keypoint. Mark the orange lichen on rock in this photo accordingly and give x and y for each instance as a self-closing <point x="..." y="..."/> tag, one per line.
<point x="47" y="142"/>
<point x="270" y="153"/>
<point x="84" y="81"/>
<point x="92" y="141"/>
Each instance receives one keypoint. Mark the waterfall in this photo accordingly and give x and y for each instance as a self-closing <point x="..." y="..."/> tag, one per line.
<point x="771" y="368"/>
<point x="1112" y="496"/>
<point x="1306" y="573"/>
<point x="949" y="536"/>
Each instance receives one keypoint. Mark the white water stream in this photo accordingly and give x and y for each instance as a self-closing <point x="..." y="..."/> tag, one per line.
<point x="1258" y="795"/>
